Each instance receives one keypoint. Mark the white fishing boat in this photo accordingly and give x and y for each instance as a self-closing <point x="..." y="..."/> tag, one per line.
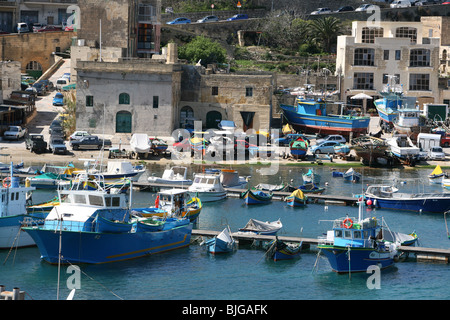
<point x="207" y="187"/>
<point x="402" y="147"/>
<point x="120" y="169"/>
<point x="140" y="143"/>
<point x="174" y="176"/>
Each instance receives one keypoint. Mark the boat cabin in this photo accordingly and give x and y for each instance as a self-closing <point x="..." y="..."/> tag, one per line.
<point x="348" y="232"/>
<point x="310" y="106"/>
<point x="173" y="201"/>
<point x="207" y="181"/>
<point x="13" y="200"/>
<point x="381" y="191"/>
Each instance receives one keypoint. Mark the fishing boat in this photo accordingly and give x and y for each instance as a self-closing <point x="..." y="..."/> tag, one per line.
<point x="120" y="169"/>
<point x="230" y="178"/>
<point x="353" y="245"/>
<point x="46" y="180"/>
<point x="172" y="203"/>
<point x="207" y="187"/>
<point x="269" y="187"/>
<point x="176" y="175"/>
<point x="296" y="199"/>
<point x="311" y="177"/>
<point x="282" y="250"/>
<point x="310" y="116"/>
<point x="352" y="175"/>
<point x="158" y="146"/>
<point x="298" y="148"/>
<point x="222" y="243"/>
<point x="256" y="197"/>
<point x="381" y="196"/>
<point x="403" y="148"/>
<point x="341" y="149"/>
<point x="305" y="188"/>
<point x="411" y="122"/>
<point x="262" y="228"/>
<point x="437" y="175"/>
<point x="97" y="227"/>
<point x="140" y="143"/>
<point x="14" y="215"/>
<point x="371" y="150"/>
<point x="45" y="206"/>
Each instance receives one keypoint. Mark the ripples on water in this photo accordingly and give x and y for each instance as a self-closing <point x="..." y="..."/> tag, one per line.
<point x="191" y="273"/>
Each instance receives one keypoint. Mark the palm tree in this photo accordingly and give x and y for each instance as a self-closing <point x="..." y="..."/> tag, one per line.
<point x="326" y="31"/>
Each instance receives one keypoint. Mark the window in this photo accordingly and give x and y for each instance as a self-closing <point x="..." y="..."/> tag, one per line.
<point x="95" y="200"/>
<point x="385" y="54"/>
<point x="363" y="81"/>
<point x="364" y="57"/>
<point x="249" y="92"/>
<point x="418" y="81"/>
<point x="215" y="91"/>
<point x="398" y="54"/>
<point x="368" y="35"/>
<point x="124" y="98"/>
<point x="356" y="234"/>
<point x="347" y="234"/>
<point x="419" y="58"/>
<point x="89" y="101"/>
<point x="407" y="32"/>
<point x="155" y="102"/>
<point x="338" y="233"/>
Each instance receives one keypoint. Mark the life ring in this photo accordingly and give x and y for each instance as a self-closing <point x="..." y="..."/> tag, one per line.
<point x="348" y="223"/>
<point x="7" y="182"/>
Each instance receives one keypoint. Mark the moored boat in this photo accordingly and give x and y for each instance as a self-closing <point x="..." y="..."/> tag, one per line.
<point x="176" y="175"/>
<point x="256" y="197"/>
<point x="207" y="187"/>
<point x="120" y="169"/>
<point x="437" y="175"/>
<point x="261" y="227"/>
<point x="352" y="175"/>
<point x="311" y="177"/>
<point x="296" y="199"/>
<point x="282" y="250"/>
<point x="222" y="243"/>
<point x="380" y="197"/>
<point x="298" y="148"/>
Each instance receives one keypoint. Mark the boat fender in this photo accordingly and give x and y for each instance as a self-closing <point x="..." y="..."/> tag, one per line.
<point x="348" y="223"/>
<point x="157" y="202"/>
<point x="27" y="182"/>
<point x="7" y="182"/>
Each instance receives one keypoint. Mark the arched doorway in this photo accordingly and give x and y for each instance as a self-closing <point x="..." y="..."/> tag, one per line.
<point x="187" y="117"/>
<point x="34" y="69"/>
<point x="123" y="122"/>
<point x="212" y="119"/>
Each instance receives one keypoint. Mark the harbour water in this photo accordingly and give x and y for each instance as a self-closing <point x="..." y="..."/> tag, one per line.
<point x="192" y="274"/>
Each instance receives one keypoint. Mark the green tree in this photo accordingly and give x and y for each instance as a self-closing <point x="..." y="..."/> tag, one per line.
<point x="326" y="31"/>
<point x="70" y="102"/>
<point x="203" y="49"/>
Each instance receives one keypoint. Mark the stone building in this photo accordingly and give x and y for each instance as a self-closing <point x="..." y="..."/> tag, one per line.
<point x="367" y="58"/>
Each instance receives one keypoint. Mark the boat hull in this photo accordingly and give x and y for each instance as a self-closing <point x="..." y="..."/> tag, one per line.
<point x="93" y="247"/>
<point x="11" y="234"/>
<point x="360" y="258"/>
<point x="295" y="202"/>
<point x="209" y="196"/>
<point x="251" y="198"/>
<point x="420" y="202"/>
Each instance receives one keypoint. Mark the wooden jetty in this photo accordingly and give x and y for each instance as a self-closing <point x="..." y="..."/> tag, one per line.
<point x="421" y="253"/>
<point x="277" y="195"/>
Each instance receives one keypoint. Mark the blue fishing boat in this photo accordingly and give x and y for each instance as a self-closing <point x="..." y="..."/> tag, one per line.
<point x="311" y="116"/>
<point x="282" y="250"/>
<point x="222" y="243"/>
<point x="353" y="245"/>
<point x="352" y="175"/>
<point x="256" y="197"/>
<point x="381" y="196"/>
<point x="311" y="177"/>
<point x="299" y="148"/>
<point x="149" y="224"/>
<point x="13" y="213"/>
<point x="95" y="227"/>
<point x="296" y="199"/>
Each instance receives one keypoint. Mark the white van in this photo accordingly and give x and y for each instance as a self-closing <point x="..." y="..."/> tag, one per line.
<point x="61" y="82"/>
<point x="401" y="4"/>
<point x="22" y="27"/>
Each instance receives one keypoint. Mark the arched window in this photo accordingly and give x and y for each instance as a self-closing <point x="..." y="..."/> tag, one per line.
<point x="186" y="117"/>
<point x="124" y="98"/>
<point x="34" y="69"/>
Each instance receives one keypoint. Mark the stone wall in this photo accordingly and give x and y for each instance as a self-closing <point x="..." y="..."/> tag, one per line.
<point x="37" y="47"/>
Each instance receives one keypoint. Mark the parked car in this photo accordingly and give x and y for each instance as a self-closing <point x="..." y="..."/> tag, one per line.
<point x="57" y="145"/>
<point x="58" y="99"/>
<point x="332" y="137"/>
<point x="66" y="75"/>
<point x="55" y="124"/>
<point x="22" y="27"/>
<point x="77" y="135"/>
<point x="36" y="26"/>
<point x="35" y="143"/>
<point x="240" y="16"/>
<point x="436" y="153"/>
<point x="321" y="11"/>
<point x="61" y="82"/>
<point x="14" y="133"/>
<point x="284" y="141"/>
<point x="365" y="7"/>
<point x="445" y="140"/>
<point x="40" y="88"/>
<point x="180" y="20"/>
<point x="324" y="147"/>
<point x="32" y="90"/>
<point x="48" y="84"/>
<point x="426" y="2"/>
<point x="401" y="4"/>
<point x="208" y="19"/>
<point x="345" y="8"/>
<point x="58" y="132"/>
<point x="90" y="142"/>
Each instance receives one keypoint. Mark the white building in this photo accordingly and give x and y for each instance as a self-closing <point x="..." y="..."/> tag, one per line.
<point x="366" y="58"/>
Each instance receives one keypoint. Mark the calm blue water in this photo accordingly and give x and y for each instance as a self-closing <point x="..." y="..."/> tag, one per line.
<point x="191" y="273"/>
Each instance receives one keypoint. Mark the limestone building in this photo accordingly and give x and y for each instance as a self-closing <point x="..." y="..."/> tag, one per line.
<point x="367" y="58"/>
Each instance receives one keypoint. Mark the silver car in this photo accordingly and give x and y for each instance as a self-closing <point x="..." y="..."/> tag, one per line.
<point x="208" y="19"/>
